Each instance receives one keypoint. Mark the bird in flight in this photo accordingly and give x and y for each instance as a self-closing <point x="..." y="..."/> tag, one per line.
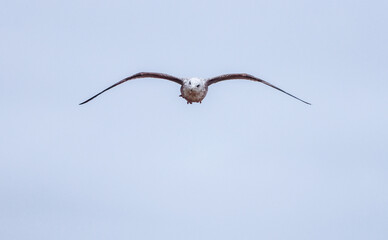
<point x="194" y="89"/>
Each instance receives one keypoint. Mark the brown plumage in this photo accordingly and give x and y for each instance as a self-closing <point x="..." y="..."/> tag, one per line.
<point x="194" y="89"/>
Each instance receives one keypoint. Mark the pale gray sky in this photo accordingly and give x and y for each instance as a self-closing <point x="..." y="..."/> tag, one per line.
<point x="139" y="163"/>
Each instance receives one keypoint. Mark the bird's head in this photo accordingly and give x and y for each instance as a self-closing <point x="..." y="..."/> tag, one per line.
<point x="194" y="84"/>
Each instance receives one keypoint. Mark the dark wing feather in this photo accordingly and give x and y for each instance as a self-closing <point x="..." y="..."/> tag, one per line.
<point x="140" y="75"/>
<point x="247" y="77"/>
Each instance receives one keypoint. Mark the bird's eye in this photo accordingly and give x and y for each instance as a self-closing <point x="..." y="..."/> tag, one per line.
<point x="198" y="85"/>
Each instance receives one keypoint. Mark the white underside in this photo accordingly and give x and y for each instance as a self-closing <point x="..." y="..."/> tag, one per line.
<point x="193" y="95"/>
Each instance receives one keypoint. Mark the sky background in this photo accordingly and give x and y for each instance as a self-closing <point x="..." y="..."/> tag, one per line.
<point x="139" y="163"/>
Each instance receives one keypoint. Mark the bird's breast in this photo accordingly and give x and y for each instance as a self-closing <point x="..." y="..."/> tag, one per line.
<point x="193" y="95"/>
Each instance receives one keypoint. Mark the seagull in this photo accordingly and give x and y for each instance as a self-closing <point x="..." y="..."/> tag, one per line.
<point x="194" y="89"/>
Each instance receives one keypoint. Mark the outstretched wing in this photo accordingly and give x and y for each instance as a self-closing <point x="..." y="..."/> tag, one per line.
<point x="247" y="77"/>
<point x="140" y="75"/>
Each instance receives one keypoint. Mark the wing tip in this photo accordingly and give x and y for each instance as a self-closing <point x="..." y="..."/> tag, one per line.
<point x="83" y="102"/>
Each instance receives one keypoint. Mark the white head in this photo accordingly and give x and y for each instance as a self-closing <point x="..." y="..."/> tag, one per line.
<point x="194" y="84"/>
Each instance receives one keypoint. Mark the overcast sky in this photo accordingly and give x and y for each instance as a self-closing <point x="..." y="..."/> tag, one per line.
<point x="139" y="163"/>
